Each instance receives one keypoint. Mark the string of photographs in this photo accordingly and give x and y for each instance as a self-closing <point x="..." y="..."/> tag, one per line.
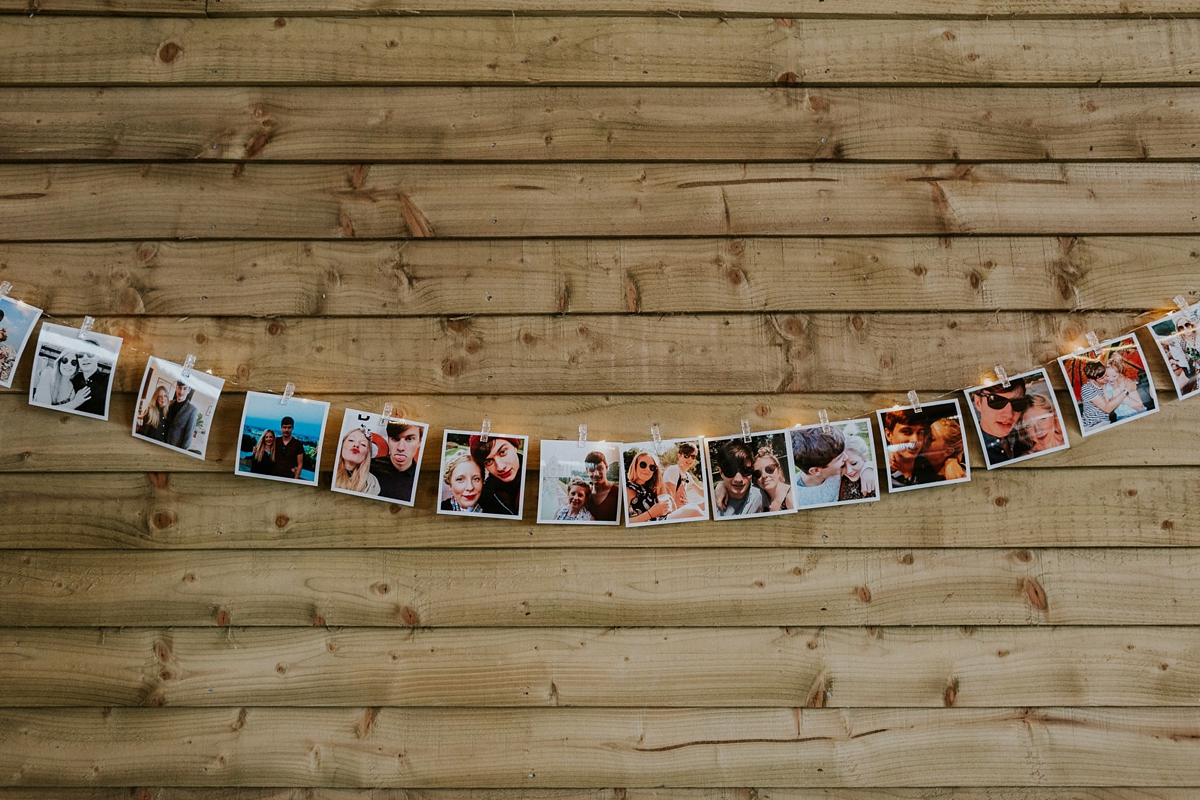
<point x="655" y="482"/>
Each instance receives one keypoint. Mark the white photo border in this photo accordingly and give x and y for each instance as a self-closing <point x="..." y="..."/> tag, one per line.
<point x="874" y="455"/>
<point x="176" y="371"/>
<point x="19" y="350"/>
<point x="342" y="432"/>
<point x="71" y="334"/>
<point x="711" y="473"/>
<point x="520" y="515"/>
<point x="1192" y="314"/>
<point x="887" y="467"/>
<point x="666" y="444"/>
<point x="1149" y="383"/>
<point x="587" y="447"/>
<point x="237" y="461"/>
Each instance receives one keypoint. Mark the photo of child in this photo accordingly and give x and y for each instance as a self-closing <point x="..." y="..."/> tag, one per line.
<point x="580" y="483"/>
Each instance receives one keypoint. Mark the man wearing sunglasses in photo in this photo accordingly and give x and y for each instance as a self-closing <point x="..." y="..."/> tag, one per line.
<point x="735" y="462"/>
<point x="999" y="412"/>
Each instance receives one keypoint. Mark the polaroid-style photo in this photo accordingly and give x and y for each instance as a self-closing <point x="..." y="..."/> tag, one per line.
<point x="176" y="411"/>
<point x="924" y="447"/>
<point x="17" y="320"/>
<point x="750" y="478"/>
<point x="281" y="441"/>
<point x="582" y="483"/>
<point x="379" y="458"/>
<point x="1109" y="384"/>
<point x="483" y="475"/>
<point x="73" y="373"/>
<point x="664" y="483"/>
<point x="1179" y="343"/>
<point x="1019" y="421"/>
<point x="835" y="464"/>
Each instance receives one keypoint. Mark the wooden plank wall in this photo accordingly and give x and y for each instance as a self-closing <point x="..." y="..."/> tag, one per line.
<point x="614" y="212"/>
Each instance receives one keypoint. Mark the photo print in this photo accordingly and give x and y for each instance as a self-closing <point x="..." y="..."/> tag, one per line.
<point x="581" y="483"/>
<point x="664" y="484"/>
<point x="1017" y="422"/>
<point x="17" y="321"/>
<point x="483" y="477"/>
<point x="281" y="441"/>
<point x="379" y="458"/>
<point x="750" y="479"/>
<point x="1177" y="340"/>
<point x="176" y="411"/>
<point x="835" y="464"/>
<point x="73" y="373"/>
<point x="925" y="447"/>
<point x="1109" y="384"/>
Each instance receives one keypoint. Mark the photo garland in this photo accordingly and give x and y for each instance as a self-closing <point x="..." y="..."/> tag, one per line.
<point x="657" y="482"/>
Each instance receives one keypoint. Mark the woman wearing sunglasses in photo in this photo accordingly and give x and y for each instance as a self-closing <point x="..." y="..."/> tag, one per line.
<point x="649" y="498"/>
<point x="768" y="476"/>
<point x="55" y="385"/>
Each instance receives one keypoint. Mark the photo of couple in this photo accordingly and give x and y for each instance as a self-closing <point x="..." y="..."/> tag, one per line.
<point x="924" y="446"/>
<point x="1109" y="384"/>
<point x="580" y="483"/>
<point x="73" y="373"/>
<point x="379" y="458"/>
<point x="1018" y="421"/>
<point x="750" y="478"/>
<point x="176" y="411"/>
<point x="1177" y="340"/>
<point x="483" y="474"/>
<point x="664" y="482"/>
<point x="16" y="326"/>
<point x="281" y="441"/>
<point x="835" y="464"/>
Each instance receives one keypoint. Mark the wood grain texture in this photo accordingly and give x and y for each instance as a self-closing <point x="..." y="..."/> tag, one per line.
<point x="122" y="201"/>
<point x="611" y="587"/>
<point x="622" y="354"/>
<point x="652" y="668"/>
<point x="599" y="747"/>
<point x="1112" y="507"/>
<point x="600" y="276"/>
<point x="633" y="793"/>
<point x="591" y="50"/>
<point x="596" y="124"/>
<point x="173" y="8"/>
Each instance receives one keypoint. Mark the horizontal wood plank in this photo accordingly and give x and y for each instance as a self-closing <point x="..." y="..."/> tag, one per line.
<point x="175" y="200"/>
<point x="600" y="276"/>
<point x="595" y="124"/>
<point x="558" y="355"/>
<point x="553" y="588"/>
<point x="1114" y="507"/>
<point x="597" y="747"/>
<point x="653" y="667"/>
<point x="173" y="8"/>
<point x="595" y="50"/>
<point x="629" y="793"/>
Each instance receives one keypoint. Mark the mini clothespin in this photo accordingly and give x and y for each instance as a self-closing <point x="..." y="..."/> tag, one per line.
<point x="582" y="436"/>
<point x="5" y="288"/>
<point x="85" y="327"/>
<point x="746" y="431"/>
<point x="824" y="417"/>
<point x="913" y="400"/>
<point x="1093" y="342"/>
<point x="1002" y="376"/>
<point x="188" y="363"/>
<point x="485" y="430"/>
<point x="386" y="416"/>
<point x="656" y="437"/>
<point x="288" y="391"/>
<point x="1180" y="300"/>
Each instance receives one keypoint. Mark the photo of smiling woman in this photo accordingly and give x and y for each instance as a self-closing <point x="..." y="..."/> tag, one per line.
<point x="1019" y="421"/>
<point x="1109" y="384"/>
<point x="924" y="446"/>
<point x="581" y="483"/>
<point x="499" y="460"/>
<point x="664" y="483"/>
<point x="750" y="478"/>
<point x="73" y="373"/>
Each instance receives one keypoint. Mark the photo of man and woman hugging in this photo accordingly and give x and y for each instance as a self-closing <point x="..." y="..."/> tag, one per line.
<point x="664" y="482"/>
<point x="580" y="482"/>
<point x="1017" y="421"/>
<point x="483" y="474"/>
<point x="835" y="464"/>
<point x="1109" y="384"/>
<point x="73" y="373"/>
<point x="750" y="478"/>
<point x="379" y="458"/>
<point x="924" y="446"/>
<point x="1178" y="340"/>
<point x="176" y="410"/>
<point x="281" y="441"/>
